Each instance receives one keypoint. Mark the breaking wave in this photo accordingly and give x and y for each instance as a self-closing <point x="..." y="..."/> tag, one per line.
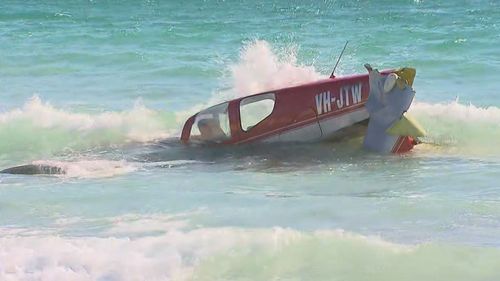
<point x="157" y="248"/>
<point x="460" y="128"/>
<point x="38" y="128"/>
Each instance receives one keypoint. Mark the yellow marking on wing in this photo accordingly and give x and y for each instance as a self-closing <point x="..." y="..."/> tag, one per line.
<point x="406" y="76"/>
<point x="406" y="126"/>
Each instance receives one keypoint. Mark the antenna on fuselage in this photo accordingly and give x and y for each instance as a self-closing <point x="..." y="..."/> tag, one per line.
<point x="338" y="60"/>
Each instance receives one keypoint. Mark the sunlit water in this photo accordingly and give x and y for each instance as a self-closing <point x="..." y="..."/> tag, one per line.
<point x="102" y="88"/>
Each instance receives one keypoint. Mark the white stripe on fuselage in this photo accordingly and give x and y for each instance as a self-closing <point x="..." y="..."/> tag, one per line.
<point x="326" y="128"/>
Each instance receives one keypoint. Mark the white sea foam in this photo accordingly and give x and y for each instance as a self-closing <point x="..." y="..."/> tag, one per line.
<point x="38" y="128"/>
<point x="460" y="128"/>
<point x="455" y="111"/>
<point x="138" y="124"/>
<point x="90" y="168"/>
<point x="170" y="250"/>
<point x="100" y="168"/>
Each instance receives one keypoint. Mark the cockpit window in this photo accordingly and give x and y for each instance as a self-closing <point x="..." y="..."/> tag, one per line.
<point x="255" y="109"/>
<point x="211" y="125"/>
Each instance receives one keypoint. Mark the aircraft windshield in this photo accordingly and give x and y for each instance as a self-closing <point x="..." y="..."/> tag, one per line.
<point x="211" y="125"/>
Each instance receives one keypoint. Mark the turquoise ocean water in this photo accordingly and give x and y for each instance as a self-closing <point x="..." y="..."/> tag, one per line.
<point x="102" y="88"/>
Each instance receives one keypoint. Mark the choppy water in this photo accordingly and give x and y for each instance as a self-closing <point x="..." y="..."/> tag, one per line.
<point x="102" y="88"/>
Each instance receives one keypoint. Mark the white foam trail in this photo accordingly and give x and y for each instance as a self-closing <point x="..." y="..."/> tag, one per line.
<point x="90" y="168"/>
<point x="100" y="168"/>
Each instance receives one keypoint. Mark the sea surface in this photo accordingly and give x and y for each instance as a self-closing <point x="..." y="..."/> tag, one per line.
<point x="101" y="88"/>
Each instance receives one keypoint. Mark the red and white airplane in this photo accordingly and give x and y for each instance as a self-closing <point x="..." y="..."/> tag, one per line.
<point x="372" y="104"/>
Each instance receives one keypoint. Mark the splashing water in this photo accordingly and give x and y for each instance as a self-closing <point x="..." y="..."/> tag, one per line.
<point x="260" y="68"/>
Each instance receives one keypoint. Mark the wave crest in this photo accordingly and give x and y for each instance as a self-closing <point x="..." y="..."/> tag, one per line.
<point x="176" y="253"/>
<point x="460" y="128"/>
<point x="40" y="128"/>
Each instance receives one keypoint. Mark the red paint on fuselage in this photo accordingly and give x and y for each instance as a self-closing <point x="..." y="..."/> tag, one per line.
<point x="296" y="107"/>
<point x="404" y="144"/>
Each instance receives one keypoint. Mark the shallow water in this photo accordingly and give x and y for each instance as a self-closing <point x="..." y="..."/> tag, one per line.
<point x="102" y="88"/>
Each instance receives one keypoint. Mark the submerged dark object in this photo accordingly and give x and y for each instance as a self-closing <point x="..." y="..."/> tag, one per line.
<point x="34" y="169"/>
